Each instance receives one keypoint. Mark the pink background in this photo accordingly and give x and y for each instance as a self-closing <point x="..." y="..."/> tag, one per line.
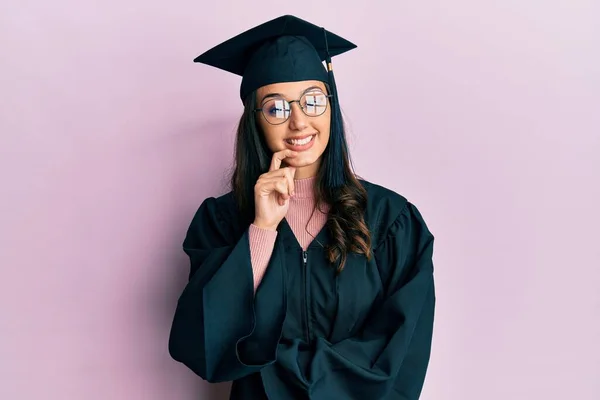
<point x="486" y="114"/>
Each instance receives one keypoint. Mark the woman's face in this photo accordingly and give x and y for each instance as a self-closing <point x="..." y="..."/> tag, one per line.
<point x="298" y="126"/>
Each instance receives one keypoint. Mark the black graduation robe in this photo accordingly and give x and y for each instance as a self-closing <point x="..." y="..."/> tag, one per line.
<point x="309" y="334"/>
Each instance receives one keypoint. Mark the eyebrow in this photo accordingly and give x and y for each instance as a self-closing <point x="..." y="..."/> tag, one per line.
<point x="281" y="95"/>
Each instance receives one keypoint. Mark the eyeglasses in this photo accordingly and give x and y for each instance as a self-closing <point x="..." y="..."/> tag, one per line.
<point x="277" y="110"/>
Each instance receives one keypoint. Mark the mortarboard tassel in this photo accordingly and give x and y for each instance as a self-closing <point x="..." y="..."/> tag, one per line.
<point x="335" y="171"/>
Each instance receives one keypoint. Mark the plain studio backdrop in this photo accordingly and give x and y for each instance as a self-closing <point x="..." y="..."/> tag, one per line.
<point x="485" y="114"/>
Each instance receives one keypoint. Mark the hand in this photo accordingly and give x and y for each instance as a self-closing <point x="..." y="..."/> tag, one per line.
<point x="272" y="192"/>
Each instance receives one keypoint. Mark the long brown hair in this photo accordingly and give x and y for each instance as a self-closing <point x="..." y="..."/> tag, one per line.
<point x="348" y="202"/>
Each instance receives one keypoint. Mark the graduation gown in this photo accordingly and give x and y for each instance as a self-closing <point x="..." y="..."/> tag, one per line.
<point x="307" y="333"/>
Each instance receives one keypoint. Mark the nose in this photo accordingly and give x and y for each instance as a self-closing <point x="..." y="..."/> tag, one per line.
<point x="298" y="120"/>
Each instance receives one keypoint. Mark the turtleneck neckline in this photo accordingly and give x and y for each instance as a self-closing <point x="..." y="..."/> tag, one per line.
<point x="304" y="187"/>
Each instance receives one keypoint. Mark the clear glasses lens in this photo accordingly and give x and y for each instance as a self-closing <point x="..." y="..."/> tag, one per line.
<point x="314" y="103"/>
<point x="277" y="110"/>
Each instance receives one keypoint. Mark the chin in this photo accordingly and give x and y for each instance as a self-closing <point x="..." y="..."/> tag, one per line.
<point x="303" y="160"/>
<point x="297" y="163"/>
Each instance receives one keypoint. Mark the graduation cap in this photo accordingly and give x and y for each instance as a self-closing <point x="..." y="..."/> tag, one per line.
<point x="285" y="49"/>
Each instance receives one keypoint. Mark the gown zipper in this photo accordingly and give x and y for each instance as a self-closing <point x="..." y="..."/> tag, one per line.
<point x="305" y="274"/>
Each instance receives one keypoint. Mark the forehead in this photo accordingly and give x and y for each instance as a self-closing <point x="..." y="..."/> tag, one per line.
<point x="288" y="89"/>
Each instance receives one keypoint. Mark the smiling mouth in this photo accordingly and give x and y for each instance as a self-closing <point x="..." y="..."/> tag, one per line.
<point x="300" y="142"/>
<point x="300" y="145"/>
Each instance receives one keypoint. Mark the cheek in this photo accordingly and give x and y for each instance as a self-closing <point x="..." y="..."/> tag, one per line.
<point x="273" y="137"/>
<point x="324" y="128"/>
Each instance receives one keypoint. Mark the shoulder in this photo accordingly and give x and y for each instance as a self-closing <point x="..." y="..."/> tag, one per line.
<point x="217" y="214"/>
<point x="219" y="207"/>
<point x="387" y="210"/>
<point x="226" y="206"/>
<point x="382" y="199"/>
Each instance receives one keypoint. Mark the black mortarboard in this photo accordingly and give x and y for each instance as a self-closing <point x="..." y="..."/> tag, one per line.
<point x="285" y="49"/>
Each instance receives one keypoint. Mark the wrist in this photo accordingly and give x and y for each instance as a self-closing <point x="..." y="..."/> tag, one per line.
<point x="261" y="225"/>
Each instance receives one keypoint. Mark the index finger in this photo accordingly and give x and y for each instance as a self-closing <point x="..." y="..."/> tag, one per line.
<point x="280" y="156"/>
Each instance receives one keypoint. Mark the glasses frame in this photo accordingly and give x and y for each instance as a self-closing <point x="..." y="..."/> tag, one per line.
<point x="327" y="96"/>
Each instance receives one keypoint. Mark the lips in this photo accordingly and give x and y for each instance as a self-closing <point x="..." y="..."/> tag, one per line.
<point x="300" y="137"/>
<point x="301" y="147"/>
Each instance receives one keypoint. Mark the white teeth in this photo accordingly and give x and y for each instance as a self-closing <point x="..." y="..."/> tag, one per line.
<point x="299" y="142"/>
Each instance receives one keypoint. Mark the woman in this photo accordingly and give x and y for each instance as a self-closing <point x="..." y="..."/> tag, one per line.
<point x="306" y="282"/>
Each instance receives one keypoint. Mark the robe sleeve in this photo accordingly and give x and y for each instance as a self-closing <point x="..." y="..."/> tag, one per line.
<point x="221" y="330"/>
<point x="389" y="356"/>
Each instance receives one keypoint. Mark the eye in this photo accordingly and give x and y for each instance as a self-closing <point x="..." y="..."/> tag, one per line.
<point x="277" y="108"/>
<point x="272" y="110"/>
<point x="314" y="102"/>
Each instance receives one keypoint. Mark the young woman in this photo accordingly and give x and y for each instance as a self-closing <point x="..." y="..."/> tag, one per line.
<point x="306" y="281"/>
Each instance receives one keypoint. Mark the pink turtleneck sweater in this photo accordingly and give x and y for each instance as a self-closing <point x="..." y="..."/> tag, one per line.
<point x="262" y="241"/>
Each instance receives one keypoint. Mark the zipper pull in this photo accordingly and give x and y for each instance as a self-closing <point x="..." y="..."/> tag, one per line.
<point x="304" y="256"/>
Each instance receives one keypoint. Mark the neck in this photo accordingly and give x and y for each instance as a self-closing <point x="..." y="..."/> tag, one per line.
<point x="307" y="171"/>
<point x="304" y="187"/>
